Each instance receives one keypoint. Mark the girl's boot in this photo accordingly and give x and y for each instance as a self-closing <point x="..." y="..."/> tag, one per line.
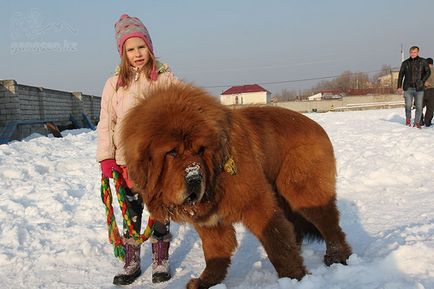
<point x="160" y="259"/>
<point x="131" y="270"/>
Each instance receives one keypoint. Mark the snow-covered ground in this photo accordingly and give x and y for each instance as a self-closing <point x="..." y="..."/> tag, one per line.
<point x="53" y="234"/>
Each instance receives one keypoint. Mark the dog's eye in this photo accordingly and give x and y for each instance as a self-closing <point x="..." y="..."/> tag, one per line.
<point x="172" y="153"/>
<point x="201" y="151"/>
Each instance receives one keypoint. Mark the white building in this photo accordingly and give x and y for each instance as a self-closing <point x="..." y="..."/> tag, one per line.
<point x="317" y="96"/>
<point x="245" y="94"/>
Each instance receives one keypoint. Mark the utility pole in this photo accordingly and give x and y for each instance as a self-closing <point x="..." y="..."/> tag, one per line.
<point x="402" y="54"/>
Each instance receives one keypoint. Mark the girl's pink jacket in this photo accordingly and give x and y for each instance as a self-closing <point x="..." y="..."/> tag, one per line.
<point x="114" y="105"/>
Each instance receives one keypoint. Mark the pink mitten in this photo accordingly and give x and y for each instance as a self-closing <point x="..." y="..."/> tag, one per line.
<point x="107" y="166"/>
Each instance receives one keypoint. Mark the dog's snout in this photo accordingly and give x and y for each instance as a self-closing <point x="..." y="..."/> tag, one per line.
<point x="193" y="182"/>
<point x="193" y="179"/>
<point x="192" y="174"/>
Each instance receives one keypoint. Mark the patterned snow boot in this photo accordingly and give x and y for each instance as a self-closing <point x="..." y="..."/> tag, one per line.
<point x="160" y="259"/>
<point x="407" y="122"/>
<point x="131" y="270"/>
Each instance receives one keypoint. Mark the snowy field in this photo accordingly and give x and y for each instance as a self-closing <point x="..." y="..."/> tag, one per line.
<point x="53" y="234"/>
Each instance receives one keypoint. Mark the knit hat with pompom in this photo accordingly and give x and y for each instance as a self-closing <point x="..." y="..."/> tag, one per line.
<point x="128" y="27"/>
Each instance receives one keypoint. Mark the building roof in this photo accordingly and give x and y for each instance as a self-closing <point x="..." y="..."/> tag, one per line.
<point x="244" y="89"/>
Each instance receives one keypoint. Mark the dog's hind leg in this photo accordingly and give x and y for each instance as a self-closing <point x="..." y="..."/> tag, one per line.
<point x="276" y="234"/>
<point x="322" y="213"/>
<point x="218" y="243"/>
<point x="326" y="220"/>
<point x="308" y="182"/>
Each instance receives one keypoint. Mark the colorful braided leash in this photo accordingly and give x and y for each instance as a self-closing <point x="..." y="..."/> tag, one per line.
<point x="113" y="231"/>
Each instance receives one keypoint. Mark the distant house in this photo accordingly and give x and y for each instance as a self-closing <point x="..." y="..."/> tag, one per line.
<point x="317" y="96"/>
<point x="245" y="94"/>
<point x="389" y="80"/>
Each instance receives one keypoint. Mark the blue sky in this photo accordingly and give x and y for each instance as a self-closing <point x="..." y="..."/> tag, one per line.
<point x="213" y="44"/>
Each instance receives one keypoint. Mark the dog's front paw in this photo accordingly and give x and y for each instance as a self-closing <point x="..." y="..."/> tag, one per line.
<point x="196" y="283"/>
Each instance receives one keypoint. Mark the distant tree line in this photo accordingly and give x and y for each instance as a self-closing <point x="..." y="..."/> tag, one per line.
<point x="346" y="83"/>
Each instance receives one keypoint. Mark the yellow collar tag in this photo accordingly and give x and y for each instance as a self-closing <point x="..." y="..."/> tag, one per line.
<point x="230" y="166"/>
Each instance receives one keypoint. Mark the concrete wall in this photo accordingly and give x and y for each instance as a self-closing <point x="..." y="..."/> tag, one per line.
<point x="346" y="103"/>
<point x="29" y="103"/>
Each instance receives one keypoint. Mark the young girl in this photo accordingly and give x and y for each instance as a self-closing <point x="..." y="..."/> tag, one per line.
<point x="139" y="73"/>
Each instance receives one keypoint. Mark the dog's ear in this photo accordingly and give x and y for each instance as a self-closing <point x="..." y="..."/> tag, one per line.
<point x="138" y="163"/>
<point x="155" y="170"/>
<point x="145" y="166"/>
<point x="222" y="152"/>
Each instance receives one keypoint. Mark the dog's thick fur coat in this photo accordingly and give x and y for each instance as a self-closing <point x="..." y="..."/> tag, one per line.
<point x="272" y="169"/>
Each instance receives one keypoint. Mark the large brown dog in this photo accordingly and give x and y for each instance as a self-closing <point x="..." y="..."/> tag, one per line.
<point x="194" y="160"/>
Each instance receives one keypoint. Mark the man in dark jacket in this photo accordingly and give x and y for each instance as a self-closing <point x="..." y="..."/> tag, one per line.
<point x="428" y="95"/>
<point x="415" y="71"/>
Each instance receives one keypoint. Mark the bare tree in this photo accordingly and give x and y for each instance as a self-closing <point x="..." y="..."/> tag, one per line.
<point x="346" y="81"/>
<point x="386" y="69"/>
<point x="286" y="95"/>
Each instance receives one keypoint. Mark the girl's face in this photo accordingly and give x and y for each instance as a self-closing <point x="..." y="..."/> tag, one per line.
<point x="137" y="52"/>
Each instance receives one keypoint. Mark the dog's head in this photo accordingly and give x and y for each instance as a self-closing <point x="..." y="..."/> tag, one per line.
<point x="175" y="144"/>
